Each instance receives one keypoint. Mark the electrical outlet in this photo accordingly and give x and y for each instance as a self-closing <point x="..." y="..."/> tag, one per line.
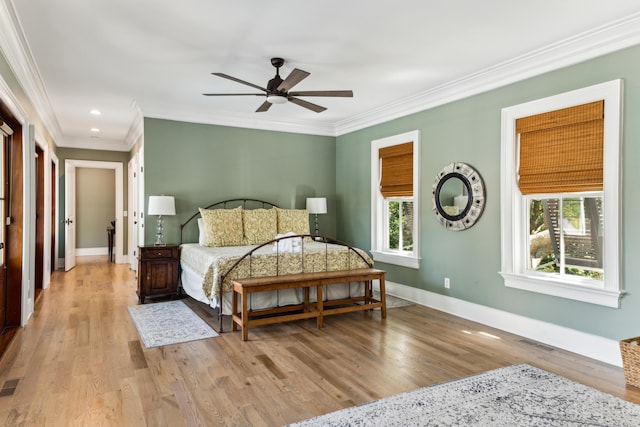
<point x="447" y="283"/>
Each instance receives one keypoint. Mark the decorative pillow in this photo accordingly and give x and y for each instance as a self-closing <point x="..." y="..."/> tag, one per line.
<point x="296" y="220"/>
<point x="260" y="225"/>
<point x="202" y="233"/>
<point x="223" y="227"/>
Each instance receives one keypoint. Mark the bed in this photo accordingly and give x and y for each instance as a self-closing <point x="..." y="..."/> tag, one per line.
<point x="274" y="242"/>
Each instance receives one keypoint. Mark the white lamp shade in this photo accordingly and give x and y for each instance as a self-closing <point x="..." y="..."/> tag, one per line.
<point x="161" y="205"/>
<point x="317" y="205"/>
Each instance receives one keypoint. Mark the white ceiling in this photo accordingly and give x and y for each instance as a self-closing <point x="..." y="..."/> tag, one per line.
<point x="155" y="58"/>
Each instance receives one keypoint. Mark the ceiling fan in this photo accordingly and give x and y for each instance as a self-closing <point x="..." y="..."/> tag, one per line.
<point x="277" y="90"/>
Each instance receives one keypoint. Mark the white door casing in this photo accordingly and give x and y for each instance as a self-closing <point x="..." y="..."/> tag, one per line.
<point x="70" y="197"/>
<point x="134" y="212"/>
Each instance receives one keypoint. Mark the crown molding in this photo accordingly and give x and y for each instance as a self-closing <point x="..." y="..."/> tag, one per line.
<point x="95" y="144"/>
<point x="247" y="121"/>
<point x="18" y="54"/>
<point x="137" y="126"/>
<point x="599" y="41"/>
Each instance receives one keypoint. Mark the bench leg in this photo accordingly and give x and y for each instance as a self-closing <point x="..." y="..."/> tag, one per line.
<point x="383" y="298"/>
<point x="368" y="293"/>
<point x="245" y="318"/>
<point x="306" y="299"/>
<point x="234" y="310"/>
<point x="320" y="319"/>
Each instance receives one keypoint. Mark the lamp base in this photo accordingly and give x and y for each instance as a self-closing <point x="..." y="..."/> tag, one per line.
<point x="159" y="237"/>
<point x="317" y="234"/>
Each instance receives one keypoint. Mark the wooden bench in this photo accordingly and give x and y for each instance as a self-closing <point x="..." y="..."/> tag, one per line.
<point x="243" y="288"/>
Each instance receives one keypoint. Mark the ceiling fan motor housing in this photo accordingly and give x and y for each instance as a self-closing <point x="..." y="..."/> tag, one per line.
<point x="273" y="84"/>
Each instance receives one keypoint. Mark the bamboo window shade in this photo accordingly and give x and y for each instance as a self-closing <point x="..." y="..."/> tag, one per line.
<point x="396" y="177"/>
<point x="561" y="151"/>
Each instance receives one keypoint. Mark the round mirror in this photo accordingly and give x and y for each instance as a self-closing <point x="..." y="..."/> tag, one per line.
<point x="458" y="196"/>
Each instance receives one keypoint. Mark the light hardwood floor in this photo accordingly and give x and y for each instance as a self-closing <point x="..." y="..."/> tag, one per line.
<point x="80" y="362"/>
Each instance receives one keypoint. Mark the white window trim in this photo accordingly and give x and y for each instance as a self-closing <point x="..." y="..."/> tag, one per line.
<point x="412" y="259"/>
<point x="514" y="219"/>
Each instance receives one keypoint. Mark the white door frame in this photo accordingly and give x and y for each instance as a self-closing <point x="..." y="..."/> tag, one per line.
<point x="56" y="220"/>
<point x="47" y="268"/>
<point x="117" y="166"/>
<point x="134" y="212"/>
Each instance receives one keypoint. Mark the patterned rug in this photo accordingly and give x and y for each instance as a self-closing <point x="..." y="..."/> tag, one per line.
<point x="519" y="395"/>
<point x="167" y="323"/>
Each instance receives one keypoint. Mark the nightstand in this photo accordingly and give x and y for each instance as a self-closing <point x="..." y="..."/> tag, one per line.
<point x="158" y="271"/>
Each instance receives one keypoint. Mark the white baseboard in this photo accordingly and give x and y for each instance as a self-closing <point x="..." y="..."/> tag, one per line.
<point x="92" y="251"/>
<point x="593" y="346"/>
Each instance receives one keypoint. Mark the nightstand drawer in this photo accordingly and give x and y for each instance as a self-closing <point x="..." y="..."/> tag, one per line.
<point x="159" y="252"/>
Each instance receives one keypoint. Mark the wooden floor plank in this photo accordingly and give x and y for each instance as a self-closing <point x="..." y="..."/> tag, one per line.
<point x="80" y="361"/>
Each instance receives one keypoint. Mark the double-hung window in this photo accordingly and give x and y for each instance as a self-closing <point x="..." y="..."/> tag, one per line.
<point x="394" y="199"/>
<point x="559" y="196"/>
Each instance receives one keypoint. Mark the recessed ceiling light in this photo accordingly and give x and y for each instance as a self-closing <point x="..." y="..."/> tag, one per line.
<point x="95" y="130"/>
<point x="95" y="112"/>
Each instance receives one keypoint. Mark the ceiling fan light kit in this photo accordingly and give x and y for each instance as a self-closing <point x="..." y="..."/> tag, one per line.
<point x="277" y="99"/>
<point x="277" y="90"/>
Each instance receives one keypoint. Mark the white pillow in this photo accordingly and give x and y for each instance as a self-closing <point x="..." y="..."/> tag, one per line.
<point x="202" y="236"/>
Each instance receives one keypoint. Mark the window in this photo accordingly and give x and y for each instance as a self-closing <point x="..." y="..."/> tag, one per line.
<point x="394" y="199"/>
<point x="560" y="195"/>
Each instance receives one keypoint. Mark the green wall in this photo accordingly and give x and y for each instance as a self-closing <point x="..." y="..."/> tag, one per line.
<point x="469" y="131"/>
<point x="95" y="206"/>
<point x="200" y="164"/>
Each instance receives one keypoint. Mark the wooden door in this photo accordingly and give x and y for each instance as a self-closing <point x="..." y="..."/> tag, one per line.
<point x="4" y="130"/>
<point x="13" y="219"/>
<point x="40" y="217"/>
<point x="54" y="209"/>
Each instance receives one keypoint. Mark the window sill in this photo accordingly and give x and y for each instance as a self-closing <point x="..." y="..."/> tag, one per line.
<point x="397" y="259"/>
<point x="564" y="289"/>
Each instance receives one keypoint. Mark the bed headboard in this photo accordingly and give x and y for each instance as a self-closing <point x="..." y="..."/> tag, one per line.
<point x="189" y="229"/>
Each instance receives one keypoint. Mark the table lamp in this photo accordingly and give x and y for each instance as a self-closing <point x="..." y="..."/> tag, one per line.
<point x="161" y="205"/>
<point x="317" y="205"/>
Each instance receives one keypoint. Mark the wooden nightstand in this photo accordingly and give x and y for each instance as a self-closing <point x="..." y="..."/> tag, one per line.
<point x="158" y="271"/>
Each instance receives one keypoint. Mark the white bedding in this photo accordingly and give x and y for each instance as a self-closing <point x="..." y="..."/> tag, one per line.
<point x="202" y="267"/>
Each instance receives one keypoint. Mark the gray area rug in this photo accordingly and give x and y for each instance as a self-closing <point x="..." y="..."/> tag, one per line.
<point x="394" y="302"/>
<point x="167" y="323"/>
<point x="519" y="395"/>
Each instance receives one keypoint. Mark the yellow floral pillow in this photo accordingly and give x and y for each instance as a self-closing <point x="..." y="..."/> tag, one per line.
<point x="260" y="226"/>
<point x="296" y="220"/>
<point x="223" y="227"/>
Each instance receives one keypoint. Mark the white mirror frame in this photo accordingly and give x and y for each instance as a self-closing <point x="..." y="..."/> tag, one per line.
<point x="475" y="205"/>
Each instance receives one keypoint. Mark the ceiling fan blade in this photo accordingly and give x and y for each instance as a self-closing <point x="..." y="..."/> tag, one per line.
<point x="233" y="94"/>
<point x="264" y="107"/>
<point x="340" y="93"/>
<point x="306" y="104"/>
<point x="295" y="77"/>
<point x="226" y="76"/>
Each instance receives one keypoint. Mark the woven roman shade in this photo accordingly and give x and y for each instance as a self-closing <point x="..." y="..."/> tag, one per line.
<point x="561" y="151"/>
<point x="396" y="177"/>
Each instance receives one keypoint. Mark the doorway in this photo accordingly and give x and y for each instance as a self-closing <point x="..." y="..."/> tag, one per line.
<point x="70" y="207"/>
